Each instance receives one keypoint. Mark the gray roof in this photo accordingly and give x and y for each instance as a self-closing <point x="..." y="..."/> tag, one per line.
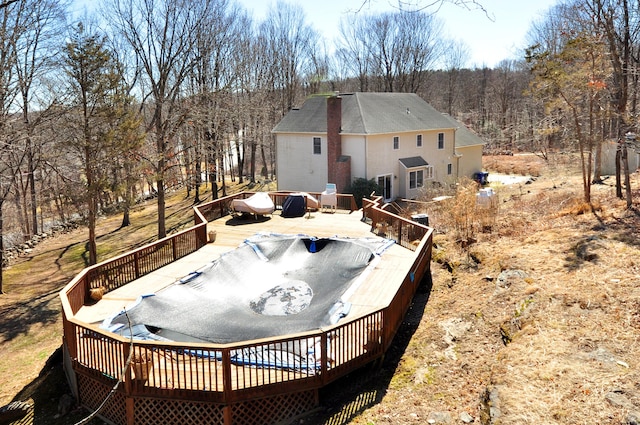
<point x="414" y="161"/>
<point x="367" y="113"/>
<point x="464" y="135"/>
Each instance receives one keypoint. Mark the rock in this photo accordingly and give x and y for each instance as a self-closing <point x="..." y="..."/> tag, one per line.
<point x="466" y="418"/>
<point x="454" y="329"/>
<point x="633" y="418"/>
<point x="491" y="412"/>
<point x="619" y="399"/>
<point x="439" y="418"/>
<point x="508" y="277"/>
<point x="66" y="404"/>
<point x="602" y="355"/>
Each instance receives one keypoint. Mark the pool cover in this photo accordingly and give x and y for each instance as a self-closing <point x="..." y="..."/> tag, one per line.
<point x="271" y="285"/>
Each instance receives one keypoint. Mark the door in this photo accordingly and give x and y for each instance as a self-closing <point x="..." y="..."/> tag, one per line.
<point x="384" y="182"/>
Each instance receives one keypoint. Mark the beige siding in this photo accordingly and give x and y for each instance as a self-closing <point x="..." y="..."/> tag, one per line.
<point x="372" y="156"/>
<point x="383" y="159"/>
<point x="470" y="161"/>
<point x="297" y="167"/>
<point x="354" y="146"/>
<point x="609" y="159"/>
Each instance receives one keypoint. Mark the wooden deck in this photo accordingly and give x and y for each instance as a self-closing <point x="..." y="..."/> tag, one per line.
<point x="377" y="290"/>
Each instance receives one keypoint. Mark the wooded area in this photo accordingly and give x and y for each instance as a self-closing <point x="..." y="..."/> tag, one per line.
<point x="158" y="94"/>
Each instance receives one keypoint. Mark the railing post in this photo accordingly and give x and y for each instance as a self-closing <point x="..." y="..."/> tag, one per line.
<point x="227" y="389"/>
<point x="128" y="399"/>
<point x="324" y="355"/>
<point x="174" y="248"/>
<point x="136" y="265"/>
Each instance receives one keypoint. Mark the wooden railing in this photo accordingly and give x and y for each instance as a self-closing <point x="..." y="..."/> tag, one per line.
<point x="405" y="232"/>
<point x="216" y="372"/>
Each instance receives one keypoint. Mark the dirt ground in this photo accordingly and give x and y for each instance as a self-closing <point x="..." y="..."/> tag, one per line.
<point x="537" y="321"/>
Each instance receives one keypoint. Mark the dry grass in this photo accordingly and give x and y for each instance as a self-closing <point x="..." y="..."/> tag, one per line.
<point x="30" y="319"/>
<point x="525" y="165"/>
<point x="552" y="345"/>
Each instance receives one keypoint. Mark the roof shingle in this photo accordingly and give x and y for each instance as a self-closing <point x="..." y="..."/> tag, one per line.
<point x="367" y="113"/>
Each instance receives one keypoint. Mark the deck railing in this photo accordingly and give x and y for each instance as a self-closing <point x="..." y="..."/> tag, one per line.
<point x="405" y="232"/>
<point x="219" y="373"/>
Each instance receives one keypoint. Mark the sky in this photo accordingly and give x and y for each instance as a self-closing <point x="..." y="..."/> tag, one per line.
<point x="490" y="39"/>
<point x="499" y="34"/>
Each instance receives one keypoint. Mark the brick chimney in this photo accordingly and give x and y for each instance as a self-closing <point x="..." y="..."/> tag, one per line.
<point x="334" y="139"/>
<point x="338" y="165"/>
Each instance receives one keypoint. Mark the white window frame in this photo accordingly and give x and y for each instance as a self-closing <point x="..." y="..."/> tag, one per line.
<point x="429" y="173"/>
<point x="419" y="140"/>
<point x="449" y="169"/>
<point x="440" y="140"/>
<point x="418" y="178"/>
<point x="396" y="143"/>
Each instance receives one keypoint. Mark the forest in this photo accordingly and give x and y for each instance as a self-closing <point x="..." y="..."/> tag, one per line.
<point x="141" y="97"/>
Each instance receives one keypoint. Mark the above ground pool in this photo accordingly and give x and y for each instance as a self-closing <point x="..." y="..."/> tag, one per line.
<point x="269" y="286"/>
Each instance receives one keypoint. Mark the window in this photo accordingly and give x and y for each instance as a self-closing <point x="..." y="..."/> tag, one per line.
<point x="396" y="142"/>
<point x="419" y="140"/>
<point x="449" y="169"/>
<point x="440" y="140"/>
<point x="428" y="172"/>
<point x="416" y="179"/>
<point x="317" y="150"/>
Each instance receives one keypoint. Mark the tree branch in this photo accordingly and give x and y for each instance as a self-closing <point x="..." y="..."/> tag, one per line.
<point x="7" y="3"/>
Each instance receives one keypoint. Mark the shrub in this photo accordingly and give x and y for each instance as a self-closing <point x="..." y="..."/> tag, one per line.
<point x="361" y="188"/>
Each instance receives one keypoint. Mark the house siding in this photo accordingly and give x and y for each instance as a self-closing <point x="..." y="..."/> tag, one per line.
<point x="383" y="159"/>
<point x="298" y="169"/>
<point x="609" y="158"/>
<point x="471" y="160"/>
<point x="354" y="146"/>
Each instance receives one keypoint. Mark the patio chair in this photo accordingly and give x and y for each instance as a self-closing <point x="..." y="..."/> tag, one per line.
<point x="329" y="197"/>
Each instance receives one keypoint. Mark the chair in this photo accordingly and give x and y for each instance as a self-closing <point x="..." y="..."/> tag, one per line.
<point x="329" y="197"/>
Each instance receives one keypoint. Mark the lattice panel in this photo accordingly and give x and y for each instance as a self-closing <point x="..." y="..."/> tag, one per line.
<point x="178" y="412"/>
<point x="92" y="393"/>
<point x="273" y="409"/>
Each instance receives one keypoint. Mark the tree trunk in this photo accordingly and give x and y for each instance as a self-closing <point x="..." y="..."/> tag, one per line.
<point x="252" y="163"/>
<point x="93" y="251"/>
<point x="198" y="171"/>
<point x="618" y="178"/>
<point x="627" y="182"/>
<point x="597" y="165"/>
<point x="126" y="219"/>
<point x="162" y="230"/>
<point x="265" y="171"/>
<point x="1" y="246"/>
<point x="32" y="187"/>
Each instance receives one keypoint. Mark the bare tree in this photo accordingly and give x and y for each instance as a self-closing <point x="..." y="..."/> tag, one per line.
<point x="35" y="52"/>
<point x="11" y="146"/>
<point x="219" y="53"/>
<point x="290" y="44"/>
<point x="457" y="53"/>
<point x="619" y="22"/>
<point x="573" y="81"/>
<point x="393" y="50"/>
<point x="161" y="34"/>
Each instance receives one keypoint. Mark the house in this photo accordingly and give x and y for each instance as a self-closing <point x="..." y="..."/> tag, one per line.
<point x="397" y="139"/>
<point x="609" y="149"/>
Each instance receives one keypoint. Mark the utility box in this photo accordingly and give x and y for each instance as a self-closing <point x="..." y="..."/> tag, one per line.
<point x="421" y="219"/>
